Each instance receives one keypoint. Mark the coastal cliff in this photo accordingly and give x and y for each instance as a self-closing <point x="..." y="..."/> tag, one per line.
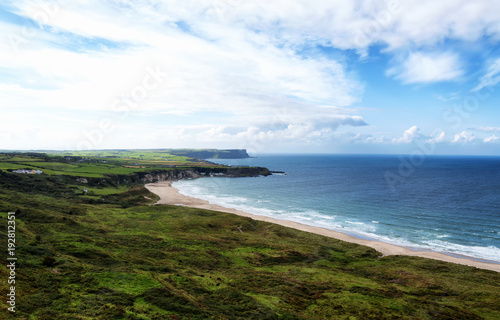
<point x="151" y="176"/>
<point x="199" y="172"/>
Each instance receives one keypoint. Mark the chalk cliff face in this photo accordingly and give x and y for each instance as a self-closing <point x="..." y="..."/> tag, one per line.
<point x="169" y="175"/>
<point x="172" y="175"/>
<point x="176" y="174"/>
<point x="194" y="173"/>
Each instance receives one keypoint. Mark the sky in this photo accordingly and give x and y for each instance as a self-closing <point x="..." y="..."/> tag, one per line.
<point x="414" y="77"/>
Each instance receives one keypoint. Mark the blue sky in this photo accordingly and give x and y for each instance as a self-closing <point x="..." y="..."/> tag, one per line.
<point x="382" y="76"/>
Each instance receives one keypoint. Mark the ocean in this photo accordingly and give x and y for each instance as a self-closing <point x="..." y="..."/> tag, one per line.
<point x="447" y="204"/>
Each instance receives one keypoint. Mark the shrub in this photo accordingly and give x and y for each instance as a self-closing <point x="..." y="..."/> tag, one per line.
<point x="49" y="261"/>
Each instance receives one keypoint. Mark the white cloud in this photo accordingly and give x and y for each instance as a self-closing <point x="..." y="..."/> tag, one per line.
<point x="428" y="22"/>
<point x="486" y="129"/>
<point x="357" y="25"/>
<point x="228" y="69"/>
<point x="224" y="68"/>
<point x="492" y="76"/>
<point x="427" y="68"/>
<point x="491" y="139"/>
<point x="242" y="59"/>
<point x="257" y="132"/>
<point x="438" y="138"/>
<point x="464" y="137"/>
<point x="364" y="138"/>
<point x="408" y="136"/>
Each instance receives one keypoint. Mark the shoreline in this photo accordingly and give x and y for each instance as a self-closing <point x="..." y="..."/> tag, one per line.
<point x="171" y="196"/>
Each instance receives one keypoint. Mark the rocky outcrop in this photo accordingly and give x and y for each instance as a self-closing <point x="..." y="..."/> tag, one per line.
<point x="82" y="180"/>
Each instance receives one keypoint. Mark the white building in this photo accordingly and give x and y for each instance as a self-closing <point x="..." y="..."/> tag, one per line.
<point x="28" y="171"/>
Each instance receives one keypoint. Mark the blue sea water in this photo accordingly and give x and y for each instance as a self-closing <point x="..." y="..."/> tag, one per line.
<point x="443" y="203"/>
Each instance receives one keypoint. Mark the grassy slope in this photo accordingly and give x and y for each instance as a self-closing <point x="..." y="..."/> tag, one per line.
<point x="159" y="262"/>
<point x="104" y="261"/>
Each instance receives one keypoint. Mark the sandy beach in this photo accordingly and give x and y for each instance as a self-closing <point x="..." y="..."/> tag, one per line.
<point x="170" y="195"/>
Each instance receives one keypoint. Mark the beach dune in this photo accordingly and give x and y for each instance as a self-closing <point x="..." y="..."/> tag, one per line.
<point x="171" y="196"/>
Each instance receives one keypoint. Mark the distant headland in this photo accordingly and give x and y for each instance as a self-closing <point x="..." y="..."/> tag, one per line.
<point x="211" y="153"/>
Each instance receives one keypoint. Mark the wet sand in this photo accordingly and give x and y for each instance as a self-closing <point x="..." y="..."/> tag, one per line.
<point x="170" y="195"/>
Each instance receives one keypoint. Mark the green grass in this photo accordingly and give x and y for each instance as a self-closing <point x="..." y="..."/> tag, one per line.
<point x="8" y="165"/>
<point x="130" y="283"/>
<point x="123" y="258"/>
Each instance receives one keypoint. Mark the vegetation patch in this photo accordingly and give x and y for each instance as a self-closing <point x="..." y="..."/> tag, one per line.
<point x="127" y="283"/>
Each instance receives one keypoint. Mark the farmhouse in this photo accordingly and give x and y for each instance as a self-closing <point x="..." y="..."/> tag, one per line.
<point x="28" y="171"/>
<point x="216" y="174"/>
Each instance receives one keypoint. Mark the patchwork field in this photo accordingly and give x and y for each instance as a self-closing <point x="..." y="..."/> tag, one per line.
<point x="98" y="163"/>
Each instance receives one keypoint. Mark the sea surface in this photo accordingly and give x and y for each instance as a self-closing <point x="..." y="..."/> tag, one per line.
<point x="448" y="204"/>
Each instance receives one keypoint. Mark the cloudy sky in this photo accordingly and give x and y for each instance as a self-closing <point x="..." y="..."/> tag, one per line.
<point x="378" y="76"/>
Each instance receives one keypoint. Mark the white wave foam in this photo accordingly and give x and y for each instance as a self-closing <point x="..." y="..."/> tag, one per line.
<point x="490" y="253"/>
<point x="426" y="240"/>
<point x="353" y="222"/>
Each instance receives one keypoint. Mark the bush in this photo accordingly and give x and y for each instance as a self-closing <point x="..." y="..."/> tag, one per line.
<point x="49" y="261"/>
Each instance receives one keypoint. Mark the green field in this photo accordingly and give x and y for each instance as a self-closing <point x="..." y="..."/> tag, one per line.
<point x="111" y="254"/>
<point x="97" y="163"/>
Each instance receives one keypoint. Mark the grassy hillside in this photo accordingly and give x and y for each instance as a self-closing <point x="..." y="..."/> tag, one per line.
<point x="104" y="260"/>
